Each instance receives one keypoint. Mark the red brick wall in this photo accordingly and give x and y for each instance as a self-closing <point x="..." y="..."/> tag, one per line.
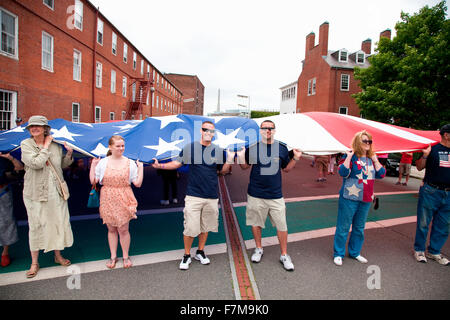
<point x="52" y="93"/>
<point x="192" y="88"/>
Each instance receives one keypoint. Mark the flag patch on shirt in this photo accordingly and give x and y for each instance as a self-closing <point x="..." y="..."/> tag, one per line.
<point x="444" y="160"/>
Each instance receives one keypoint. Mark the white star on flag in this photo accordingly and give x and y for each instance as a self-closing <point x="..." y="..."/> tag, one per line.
<point x="125" y="127"/>
<point x="225" y="140"/>
<point x="167" y="120"/>
<point x="353" y="190"/>
<point x="16" y="129"/>
<point x="100" y="150"/>
<point x="164" y="146"/>
<point x="64" y="133"/>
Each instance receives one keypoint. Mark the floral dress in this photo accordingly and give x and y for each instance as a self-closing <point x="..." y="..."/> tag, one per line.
<point x="117" y="202"/>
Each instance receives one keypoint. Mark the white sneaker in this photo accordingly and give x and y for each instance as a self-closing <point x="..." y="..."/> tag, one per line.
<point x="185" y="262"/>
<point x="420" y="256"/>
<point x="338" y="261"/>
<point x="287" y="262"/>
<point x="439" y="258"/>
<point x="201" y="256"/>
<point x="361" y="259"/>
<point x="257" y="255"/>
<point x="175" y="200"/>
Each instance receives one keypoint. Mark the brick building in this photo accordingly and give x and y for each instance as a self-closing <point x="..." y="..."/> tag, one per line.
<point x="64" y="59"/>
<point x="193" y="92"/>
<point x="327" y="81"/>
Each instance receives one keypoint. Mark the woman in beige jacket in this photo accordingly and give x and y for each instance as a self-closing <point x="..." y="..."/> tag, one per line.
<point x="48" y="213"/>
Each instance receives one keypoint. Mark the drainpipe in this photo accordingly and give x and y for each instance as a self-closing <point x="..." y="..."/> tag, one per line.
<point x="94" y="64"/>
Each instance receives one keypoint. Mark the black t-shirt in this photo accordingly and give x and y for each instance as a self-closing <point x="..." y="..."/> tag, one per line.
<point x="437" y="169"/>
<point x="204" y="162"/>
<point x="267" y="160"/>
<point x="5" y="166"/>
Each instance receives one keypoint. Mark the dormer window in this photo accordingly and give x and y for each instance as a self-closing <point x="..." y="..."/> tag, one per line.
<point x="343" y="55"/>
<point x="360" y="57"/>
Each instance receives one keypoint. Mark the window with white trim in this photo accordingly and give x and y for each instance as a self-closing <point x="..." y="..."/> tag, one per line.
<point x="125" y="53"/>
<point x="8" y="109"/>
<point x="343" y="110"/>
<point x="343" y="56"/>
<point x="100" y="31"/>
<point x="49" y="3"/>
<point x="360" y="57"/>
<point x="47" y="51"/>
<point x="124" y="115"/>
<point x="309" y="87"/>
<point x="9" y="34"/>
<point x="134" y="60"/>
<point x="114" y="43"/>
<point x="113" y="81"/>
<point x="98" y="114"/>
<point x="112" y="116"/>
<point x="78" y="19"/>
<point x="313" y="86"/>
<point x="345" y="82"/>
<point x="76" y="65"/>
<point x="133" y="92"/>
<point x="75" y="112"/>
<point x="98" y="75"/>
<point x="142" y="67"/>
<point x="124" y="86"/>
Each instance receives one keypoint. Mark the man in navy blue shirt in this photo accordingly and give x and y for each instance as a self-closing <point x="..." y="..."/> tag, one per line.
<point x="201" y="211"/>
<point x="265" y="198"/>
<point x="434" y="200"/>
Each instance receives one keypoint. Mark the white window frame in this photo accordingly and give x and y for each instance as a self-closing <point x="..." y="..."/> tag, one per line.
<point x="15" y="36"/>
<point x="78" y="18"/>
<point x="100" y="30"/>
<point x="340" y="56"/>
<point x="114" y="44"/>
<point x="363" y="57"/>
<point x="99" y="118"/>
<point x="342" y="81"/>
<point x="125" y="53"/>
<point x="112" y="116"/>
<point x="124" y="87"/>
<point x="134" y="60"/>
<point x="13" y="108"/>
<point x="113" y="81"/>
<point x="142" y="67"/>
<point x="124" y="115"/>
<point x="98" y="74"/>
<point x="309" y="87"/>
<point x="76" y="105"/>
<point x="52" y="7"/>
<point x="77" y="68"/>
<point x="342" y="109"/>
<point x="133" y="92"/>
<point x="49" y="68"/>
<point x="313" y="86"/>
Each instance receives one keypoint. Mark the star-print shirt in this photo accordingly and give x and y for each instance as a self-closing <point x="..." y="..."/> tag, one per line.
<point x="359" y="178"/>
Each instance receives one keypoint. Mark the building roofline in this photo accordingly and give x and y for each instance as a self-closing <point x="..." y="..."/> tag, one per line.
<point x="124" y="37"/>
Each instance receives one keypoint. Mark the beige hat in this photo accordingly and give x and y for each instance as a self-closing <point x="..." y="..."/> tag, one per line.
<point x="37" y="121"/>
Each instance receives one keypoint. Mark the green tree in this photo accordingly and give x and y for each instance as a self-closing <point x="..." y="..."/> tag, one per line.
<point x="408" y="81"/>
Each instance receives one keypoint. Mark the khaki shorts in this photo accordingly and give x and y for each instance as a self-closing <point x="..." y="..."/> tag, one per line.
<point x="406" y="168"/>
<point x="258" y="209"/>
<point x="200" y="216"/>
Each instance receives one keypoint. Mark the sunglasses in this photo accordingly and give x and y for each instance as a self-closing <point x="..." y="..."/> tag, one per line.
<point x="366" y="141"/>
<point x="208" y="130"/>
<point x="267" y="128"/>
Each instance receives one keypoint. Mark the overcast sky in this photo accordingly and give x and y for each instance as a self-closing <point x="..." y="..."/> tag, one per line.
<point x="247" y="47"/>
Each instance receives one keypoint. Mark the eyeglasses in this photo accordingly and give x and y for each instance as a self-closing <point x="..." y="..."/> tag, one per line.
<point x="267" y="128"/>
<point x="366" y="141"/>
<point x="208" y="130"/>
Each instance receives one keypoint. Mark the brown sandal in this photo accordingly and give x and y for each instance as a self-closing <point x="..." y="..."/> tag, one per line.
<point x="127" y="265"/>
<point x="64" y="262"/>
<point x="33" y="271"/>
<point x="112" y="263"/>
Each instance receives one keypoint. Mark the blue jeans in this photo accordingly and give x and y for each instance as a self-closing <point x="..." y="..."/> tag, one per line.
<point x="350" y="213"/>
<point x="433" y="206"/>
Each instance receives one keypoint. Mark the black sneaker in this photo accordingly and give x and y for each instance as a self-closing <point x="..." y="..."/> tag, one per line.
<point x="376" y="202"/>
